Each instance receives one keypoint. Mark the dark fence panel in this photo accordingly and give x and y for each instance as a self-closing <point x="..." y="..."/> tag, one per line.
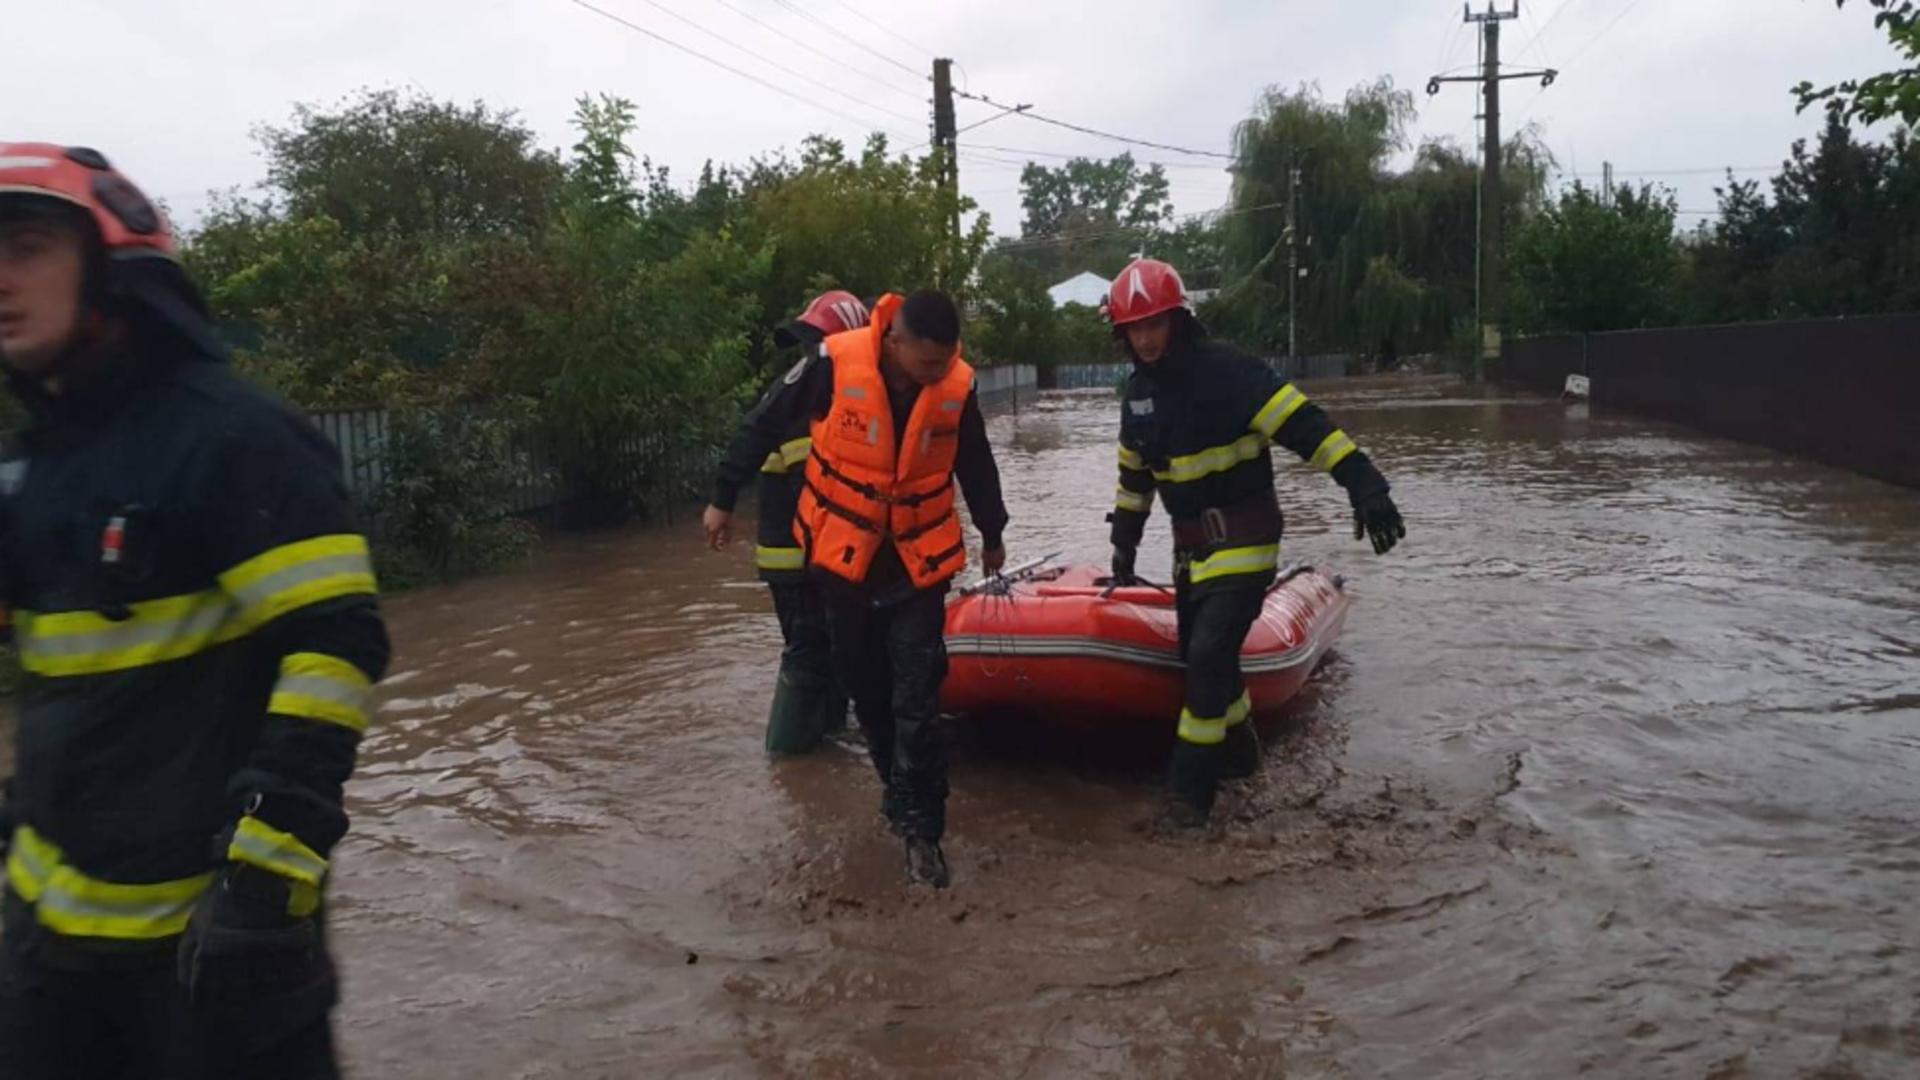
<point x="1843" y="391"/>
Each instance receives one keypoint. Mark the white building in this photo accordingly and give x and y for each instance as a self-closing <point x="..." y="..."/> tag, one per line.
<point x="1086" y="288"/>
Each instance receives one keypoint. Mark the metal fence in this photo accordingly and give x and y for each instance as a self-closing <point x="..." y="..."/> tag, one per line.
<point x="1843" y="391"/>
<point x="1109" y="376"/>
<point x="651" y="470"/>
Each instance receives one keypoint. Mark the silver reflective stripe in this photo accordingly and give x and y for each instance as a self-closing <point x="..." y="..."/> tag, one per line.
<point x="338" y="691"/>
<point x="203" y="620"/>
<point x="858" y="393"/>
<point x="257" y="595"/>
<point x="270" y="853"/>
<point x="57" y="901"/>
<point x="952" y="406"/>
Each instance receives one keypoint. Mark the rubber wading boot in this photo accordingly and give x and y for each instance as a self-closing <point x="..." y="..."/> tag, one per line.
<point x="926" y="864"/>
<point x="796" y="720"/>
<point x="1193" y="775"/>
<point x="1242" y="752"/>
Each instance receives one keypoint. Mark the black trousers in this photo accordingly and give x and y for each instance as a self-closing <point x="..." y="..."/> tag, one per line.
<point x="128" y="1024"/>
<point x="1213" y="627"/>
<point x="891" y="660"/>
<point x="807" y="657"/>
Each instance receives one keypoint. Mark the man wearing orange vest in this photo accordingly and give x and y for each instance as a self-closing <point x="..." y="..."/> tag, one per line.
<point x="895" y="423"/>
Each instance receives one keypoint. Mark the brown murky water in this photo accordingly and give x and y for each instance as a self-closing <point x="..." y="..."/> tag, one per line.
<point x="1616" y="771"/>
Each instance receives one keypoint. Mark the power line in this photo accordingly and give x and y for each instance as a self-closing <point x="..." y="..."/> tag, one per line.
<point x="870" y="21"/>
<point x="1697" y="171"/>
<point x="1069" y="157"/>
<point x="828" y="57"/>
<point x="1540" y="31"/>
<point x="1031" y="115"/>
<point x="1596" y="39"/>
<point x="777" y="65"/>
<point x="722" y="64"/>
<point x="1216" y="213"/>
<point x="844" y="36"/>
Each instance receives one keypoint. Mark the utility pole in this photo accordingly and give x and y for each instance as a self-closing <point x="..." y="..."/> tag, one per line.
<point x="945" y="138"/>
<point x="1490" y="261"/>
<point x="1293" y="265"/>
<point x="1606" y="184"/>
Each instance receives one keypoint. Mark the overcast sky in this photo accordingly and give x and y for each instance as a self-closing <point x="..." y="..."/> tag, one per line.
<point x="171" y="89"/>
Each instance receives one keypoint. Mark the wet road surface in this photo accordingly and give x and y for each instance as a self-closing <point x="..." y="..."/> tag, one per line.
<point x="1616" y="771"/>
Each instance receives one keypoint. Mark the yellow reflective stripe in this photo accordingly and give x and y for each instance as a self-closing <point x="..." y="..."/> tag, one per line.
<point x="30" y="862"/>
<point x="155" y="631"/>
<point x="1130" y="459"/>
<point x="1132" y="500"/>
<point x="791" y="453"/>
<point x="315" y="686"/>
<point x="1333" y="450"/>
<point x="69" y="902"/>
<point x="1202" y="732"/>
<point x="1242" y="708"/>
<point x="1213" y="459"/>
<point x="1278" y="408"/>
<point x="779" y="558"/>
<point x="296" y="575"/>
<point x="1240" y="560"/>
<point x="257" y="843"/>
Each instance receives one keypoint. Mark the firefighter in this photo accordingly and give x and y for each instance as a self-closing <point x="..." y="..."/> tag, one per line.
<point x="1196" y="424"/>
<point x="197" y="622"/>
<point x="807" y="704"/>
<point x="895" y="422"/>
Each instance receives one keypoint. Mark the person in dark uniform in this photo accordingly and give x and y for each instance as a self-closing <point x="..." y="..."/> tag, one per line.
<point x="807" y="702"/>
<point x="1196" y="425"/>
<point x="895" y="424"/>
<point x="196" y="618"/>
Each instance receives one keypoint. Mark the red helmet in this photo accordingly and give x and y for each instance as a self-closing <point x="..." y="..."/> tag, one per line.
<point x="1144" y="289"/>
<point x="127" y="221"/>
<point x="834" y="312"/>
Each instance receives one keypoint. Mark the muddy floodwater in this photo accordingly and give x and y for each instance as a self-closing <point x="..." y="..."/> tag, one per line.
<point x="1615" y="771"/>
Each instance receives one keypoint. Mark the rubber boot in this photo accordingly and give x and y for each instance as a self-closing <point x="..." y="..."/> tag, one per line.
<point x="796" y="720"/>
<point x="1193" y="775"/>
<point x="1241" y="757"/>
<point x="927" y="864"/>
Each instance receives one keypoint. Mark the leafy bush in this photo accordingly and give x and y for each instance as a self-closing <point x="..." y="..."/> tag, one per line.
<point x="446" y="475"/>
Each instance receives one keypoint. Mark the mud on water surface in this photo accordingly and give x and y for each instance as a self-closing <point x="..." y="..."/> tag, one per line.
<point x="1612" y="773"/>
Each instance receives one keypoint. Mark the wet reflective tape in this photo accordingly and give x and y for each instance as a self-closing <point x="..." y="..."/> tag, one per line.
<point x="257" y="843"/>
<point x="30" y="862"/>
<point x="71" y="903"/>
<point x="1242" y="708"/>
<point x="1240" y="560"/>
<point x="1132" y="500"/>
<point x="793" y="452"/>
<point x="1333" y="450"/>
<point x="1131" y="459"/>
<point x="71" y="643"/>
<point x="298" y="575"/>
<point x="1214" y="459"/>
<point x="327" y="689"/>
<point x="1201" y="732"/>
<point x="779" y="558"/>
<point x="1273" y="415"/>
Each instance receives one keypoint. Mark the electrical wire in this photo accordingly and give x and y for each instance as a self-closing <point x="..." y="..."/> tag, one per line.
<point x="913" y="95"/>
<point x="848" y="38"/>
<point x="723" y="65"/>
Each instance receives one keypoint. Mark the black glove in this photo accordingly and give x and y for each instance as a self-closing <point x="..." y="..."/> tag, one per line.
<point x="1123" y="565"/>
<point x="1376" y="518"/>
<point x="242" y="944"/>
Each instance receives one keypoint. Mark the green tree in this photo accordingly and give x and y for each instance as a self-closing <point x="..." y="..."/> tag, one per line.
<point x="1586" y="263"/>
<point x="384" y="162"/>
<point x="1878" y="97"/>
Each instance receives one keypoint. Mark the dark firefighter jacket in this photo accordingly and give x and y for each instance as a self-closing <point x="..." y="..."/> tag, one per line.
<point x="1197" y="428"/>
<point x="196" y="618"/>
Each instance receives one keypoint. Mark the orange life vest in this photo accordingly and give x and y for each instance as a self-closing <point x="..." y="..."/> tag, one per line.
<point x="865" y="486"/>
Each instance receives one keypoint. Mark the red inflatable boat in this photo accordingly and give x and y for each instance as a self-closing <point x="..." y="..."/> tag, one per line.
<point x="1054" y="643"/>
